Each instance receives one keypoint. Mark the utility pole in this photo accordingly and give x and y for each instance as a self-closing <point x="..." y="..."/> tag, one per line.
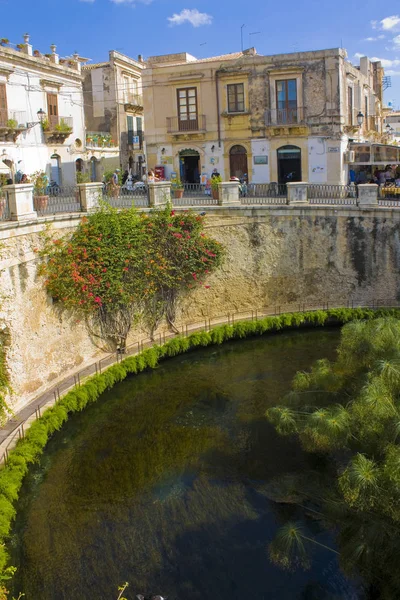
<point x="241" y="35"/>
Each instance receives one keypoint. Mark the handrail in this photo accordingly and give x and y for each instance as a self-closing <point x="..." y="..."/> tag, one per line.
<point x="52" y="396"/>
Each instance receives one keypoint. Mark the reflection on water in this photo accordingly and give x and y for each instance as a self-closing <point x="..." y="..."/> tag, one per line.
<point x="169" y="483"/>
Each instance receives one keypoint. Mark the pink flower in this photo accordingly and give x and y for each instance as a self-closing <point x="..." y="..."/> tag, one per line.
<point x="194" y="276"/>
<point x="207" y="287"/>
<point x="98" y="300"/>
<point x="169" y="224"/>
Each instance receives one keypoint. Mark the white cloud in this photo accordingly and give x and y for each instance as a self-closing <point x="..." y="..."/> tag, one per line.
<point x="374" y="39"/>
<point x="386" y="63"/>
<point x="389" y="23"/>
<point x="88" y="1"/>
<point x="123" y="1"/>
<point x="374" y="24"/>
<point x="392" y="73"/>
<point x="396" y="40"/>
<point x="358" y="55"/>
<point x="192" y="16"/>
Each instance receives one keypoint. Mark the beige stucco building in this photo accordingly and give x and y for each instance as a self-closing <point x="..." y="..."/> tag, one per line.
<point x="114" y="114"/>
<point x="275" y="118"/>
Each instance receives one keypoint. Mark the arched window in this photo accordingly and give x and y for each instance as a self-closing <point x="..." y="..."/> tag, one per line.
<point x="55" y="174"/>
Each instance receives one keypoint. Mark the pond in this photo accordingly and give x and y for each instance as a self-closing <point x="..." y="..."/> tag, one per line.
<point x="169" y="482"/>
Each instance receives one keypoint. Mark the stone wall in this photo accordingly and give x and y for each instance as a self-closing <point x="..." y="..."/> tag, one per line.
<point x="274" y="256"/>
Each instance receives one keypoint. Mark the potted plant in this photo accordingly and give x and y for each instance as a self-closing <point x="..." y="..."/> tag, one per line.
<point x="12" y="124"/>
<point x="63" y="127"/>
<point x="215" y="181"/>
<point x="82" y="177"/>
<point x="40" y="198"/>
<point x="46" y="125"/>
<point x="177" y="187"/>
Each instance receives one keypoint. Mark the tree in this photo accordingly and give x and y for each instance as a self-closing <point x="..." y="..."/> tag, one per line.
<point x="349" y="410"/>
<point x="121" y="266"/>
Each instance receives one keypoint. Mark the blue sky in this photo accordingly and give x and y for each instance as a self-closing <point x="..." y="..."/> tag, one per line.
<point x="209" y="27"/>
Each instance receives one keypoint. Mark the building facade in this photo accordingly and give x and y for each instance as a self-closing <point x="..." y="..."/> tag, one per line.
<point x="41" y="112"/>
<point x="280" y="118"/>
<point x="114" y="111"/>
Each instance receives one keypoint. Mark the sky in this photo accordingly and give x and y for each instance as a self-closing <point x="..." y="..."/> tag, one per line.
<point x="209" y="28"/>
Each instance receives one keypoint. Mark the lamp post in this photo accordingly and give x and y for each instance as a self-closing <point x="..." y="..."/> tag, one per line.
<point x="360" y="121"/>
<point x="40" y="115"/>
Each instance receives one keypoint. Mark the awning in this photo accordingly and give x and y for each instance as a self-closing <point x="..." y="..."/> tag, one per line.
<point x="375" y="154"/>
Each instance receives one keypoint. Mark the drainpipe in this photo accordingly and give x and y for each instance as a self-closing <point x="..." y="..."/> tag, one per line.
<point x="218" y="111"/>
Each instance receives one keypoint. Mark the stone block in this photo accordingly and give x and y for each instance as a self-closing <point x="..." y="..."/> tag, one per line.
<point x="297" y="193"/>
<point x="90" y="195"/>
<point x="228" y="192"/>
<point x="367" y="195"/>
<point x="20" y="201"/>
<point x="159" y="193"/>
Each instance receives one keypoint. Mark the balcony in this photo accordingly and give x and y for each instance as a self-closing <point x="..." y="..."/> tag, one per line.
<point x="177" y="125"/>
<point x="57" y="129"/>
<point x="12" y="123"/>
<point x="99" y="140"/>
<point x="133" y="101"/>
<point x="282" y="117"/>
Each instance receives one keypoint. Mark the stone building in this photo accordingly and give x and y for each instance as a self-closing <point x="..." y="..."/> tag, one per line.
<point x="114" y="112"/>
<point x="287" y="117"/>
<point x="41" y="112"/>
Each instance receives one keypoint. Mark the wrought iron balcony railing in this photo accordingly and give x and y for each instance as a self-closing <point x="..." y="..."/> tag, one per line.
<point x="183" y="125"/>
<point x="285" y="116"/>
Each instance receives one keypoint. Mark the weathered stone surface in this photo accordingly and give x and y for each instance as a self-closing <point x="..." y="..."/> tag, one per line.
<point x="275" y="256"/>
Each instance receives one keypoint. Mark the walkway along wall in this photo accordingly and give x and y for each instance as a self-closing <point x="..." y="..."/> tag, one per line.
<point x="275" y="255"/>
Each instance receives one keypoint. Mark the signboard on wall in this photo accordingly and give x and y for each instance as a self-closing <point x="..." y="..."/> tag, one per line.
<point x="135" y="139"/>
<point x="333" y="149"/>
<point x="261" y="160"/>
<point x="166" y="160"/>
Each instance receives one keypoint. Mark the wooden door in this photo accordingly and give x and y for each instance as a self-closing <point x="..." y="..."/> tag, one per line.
<point x="3" y="104"/>
<point x="52" y="109"/>
<point x="187" y="109"/>
<point x="238" y="161"/>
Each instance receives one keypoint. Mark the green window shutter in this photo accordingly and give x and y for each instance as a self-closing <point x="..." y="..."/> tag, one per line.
<point x="131" y="131"/>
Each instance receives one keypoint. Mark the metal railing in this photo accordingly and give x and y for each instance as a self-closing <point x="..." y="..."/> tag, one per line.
<point x="58" y="199"/>
<point x="332" y="194"/>
<point x="123" y="197"/>
<point x="389" y="195"/>
<point x="49" y="398"/>
<point x="181" y="125"/>
<point x="4" y="207"/>
<point x="194" y="194"/>
<point x="285" y="116"/>
<point x="99" y="139"/>
<point x="57" y="123"/>
<point x="19" y="117"/>
<point x="265" y="193"/>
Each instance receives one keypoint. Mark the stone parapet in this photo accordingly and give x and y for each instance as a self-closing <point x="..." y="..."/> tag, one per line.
<point x="228" y="192"/>
<point x="20" y="202"/>
<point x="90" y="195"/>
<point x="159" y="193"/>
<point x="297" y="193"/>
<point x="367" y="195"/>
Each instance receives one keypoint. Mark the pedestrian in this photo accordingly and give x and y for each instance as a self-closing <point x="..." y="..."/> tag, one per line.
<point x="215" y="174"/>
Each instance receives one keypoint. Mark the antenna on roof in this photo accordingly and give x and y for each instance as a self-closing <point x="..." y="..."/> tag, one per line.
<point x="241" y="36"/>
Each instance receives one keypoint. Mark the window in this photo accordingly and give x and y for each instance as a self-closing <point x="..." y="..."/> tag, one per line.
<point x="139" y="128"/>
<point x="235" y="97"/>
<point x="350" y="105"/>
<point x="126" y="89"/>
<point x="3" y="104"/>
<point x="52" y="109"/>
<point x="131" y="129"/>
<point x="187" y="109"/>
<point x="286" y="101"/>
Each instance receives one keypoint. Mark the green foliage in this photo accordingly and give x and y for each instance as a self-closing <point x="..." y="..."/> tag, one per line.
<point x="82" y="177"/>
<point x="176" y="184"/>
<point x="352" y="405"/>
<point x="63" y="127"/>
<point x="40" y="181"/>
<point x="119" y="267"/>
<point x="12" y="124"/>
<point x="215" y="181"/>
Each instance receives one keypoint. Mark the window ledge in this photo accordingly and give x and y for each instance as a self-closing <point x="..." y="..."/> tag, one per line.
<point x="235" y="114"/>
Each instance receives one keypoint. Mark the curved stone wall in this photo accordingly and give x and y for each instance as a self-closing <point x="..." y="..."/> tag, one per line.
<point x="275" y="256"/>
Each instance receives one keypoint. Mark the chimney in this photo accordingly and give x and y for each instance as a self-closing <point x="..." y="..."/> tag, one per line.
<point x="27" y="46"/>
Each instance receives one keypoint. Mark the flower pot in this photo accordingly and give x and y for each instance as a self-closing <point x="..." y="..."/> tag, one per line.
<point x="40" y="202"/>
<point x="215" y="194"/>
<point x="178" y="193"/>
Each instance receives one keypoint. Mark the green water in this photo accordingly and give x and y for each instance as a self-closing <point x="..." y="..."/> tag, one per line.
<point x="166" y="483"/>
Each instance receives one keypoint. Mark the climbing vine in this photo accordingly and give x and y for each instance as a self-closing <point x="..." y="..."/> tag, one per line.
<point x="119" y="267"/>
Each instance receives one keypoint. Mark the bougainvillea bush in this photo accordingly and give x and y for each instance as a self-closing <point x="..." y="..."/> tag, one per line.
<point x="119" y="267"/>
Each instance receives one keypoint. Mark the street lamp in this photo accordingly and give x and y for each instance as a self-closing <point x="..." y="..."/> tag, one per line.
<point x="40" y="114"/>
<point x="360" y="119"/>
